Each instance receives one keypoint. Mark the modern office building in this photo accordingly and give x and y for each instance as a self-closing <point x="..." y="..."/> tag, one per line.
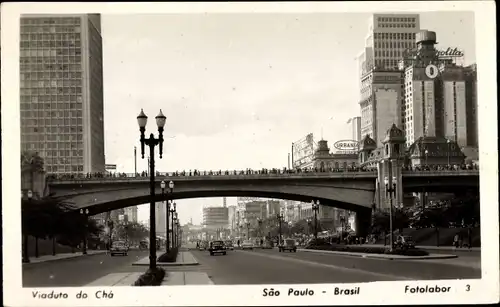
<point x="215" y="217"/>
<point x="232" y="218"/>
<point x="389" y="37"/>
<point x="61" y="91"/>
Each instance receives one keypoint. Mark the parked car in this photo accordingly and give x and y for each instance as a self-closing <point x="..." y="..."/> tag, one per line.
<point x="217" y="247"/>
<point x="229" y="245"/>
<point x="404" y="242"/>
<point x="119" y="247"/>
<point x="247" y="244"/>
<point x="267" y="245"/>
<point x="288" y="245"/>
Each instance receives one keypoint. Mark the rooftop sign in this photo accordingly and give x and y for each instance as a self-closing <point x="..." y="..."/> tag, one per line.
<point x="346" y="145"/>
<point x="448" y="53"/>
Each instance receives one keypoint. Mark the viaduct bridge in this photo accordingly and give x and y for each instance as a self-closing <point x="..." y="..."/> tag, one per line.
<point x="356" y="191"/>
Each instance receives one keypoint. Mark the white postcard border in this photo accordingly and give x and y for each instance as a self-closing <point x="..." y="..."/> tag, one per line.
<point x="485" y="290"/>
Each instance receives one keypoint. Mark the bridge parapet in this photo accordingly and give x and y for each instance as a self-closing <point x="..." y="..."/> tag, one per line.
<point x="203" y="176"/>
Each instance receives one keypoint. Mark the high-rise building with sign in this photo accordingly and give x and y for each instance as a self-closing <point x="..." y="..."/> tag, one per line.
<point x="61" y="91"/>
<point x="215" y="217"/>
<point x="380" y="80"/>
<point x="435" y="93"/>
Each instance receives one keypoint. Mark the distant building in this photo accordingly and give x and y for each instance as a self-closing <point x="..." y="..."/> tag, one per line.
<point x="215" y="217"/>
<point x="355" y="124"/>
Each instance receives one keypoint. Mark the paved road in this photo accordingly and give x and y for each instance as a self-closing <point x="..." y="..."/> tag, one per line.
<point x="272" y="267"/>
<point x="75" y="272"/>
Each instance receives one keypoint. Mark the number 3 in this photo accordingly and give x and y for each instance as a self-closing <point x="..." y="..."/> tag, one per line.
<point x="467" y="288"/>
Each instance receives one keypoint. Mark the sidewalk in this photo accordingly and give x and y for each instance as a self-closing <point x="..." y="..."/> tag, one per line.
<point x="444" y="248"/>
<point x="47" y="258"/>
<point x="171" y="279"/>
<point x="183" y="258"/>
<point x="380" y="256"/>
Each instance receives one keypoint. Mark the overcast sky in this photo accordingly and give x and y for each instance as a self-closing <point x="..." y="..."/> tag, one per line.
<point x="238" y="89"/>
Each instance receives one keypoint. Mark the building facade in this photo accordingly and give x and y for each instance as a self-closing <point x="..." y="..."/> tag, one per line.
<point x="61" y="91"/>
<point x="131" y="213"/>
<point x="437" y="103"/>
<point x="355" y="123"/>
<point x="215" y="217"/>
<point x="389" y="36"/>
<point x="161" y="219"/>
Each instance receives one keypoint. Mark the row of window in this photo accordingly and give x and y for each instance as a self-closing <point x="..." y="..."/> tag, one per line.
<point x="394" y="44"/>
<point x="397" y="25"/>
<point x="52" y="137"/>
<point x="396" y="19"/>
<point x="71" y="101"/>
<point x="407" y="36"/>
<point x="50" y="114"/>
<point x="61" y="130"/>
<point x="52" y="75"/>
<point x="50" y="29"/>
<point x="63" y="169"/>
<point x="50" y="21"/>
<point x="73" y="145"/>
<point x="50" y="67"/>
<point x="52" y="52"/>
<point x="51" y="121"/>
<point x="75" y="85"/>
<point x="56" y="38"/>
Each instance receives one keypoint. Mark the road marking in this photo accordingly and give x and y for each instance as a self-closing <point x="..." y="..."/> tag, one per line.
<point x="330" y="266"/>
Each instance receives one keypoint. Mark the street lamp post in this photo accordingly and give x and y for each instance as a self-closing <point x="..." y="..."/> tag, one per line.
<point x="85" y="214"/>
<point x="171" y="189"/>
<point x="426" y="157"/>
<point x="290" y="228"/>
<point x="315" y="208"/>
<point x="390" y="190"/>
<point x="174" y="233"/>
<point x="279" y="216"/>
<point x="142" y="120"/>
<point x="172" y="212"/>
<point x="342" y="227"/>
<point x="248" y="230"/>
<point x="308" y="226"/>
<point x="448" y="143"/>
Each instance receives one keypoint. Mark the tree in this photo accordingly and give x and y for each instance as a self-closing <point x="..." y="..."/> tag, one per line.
<point x="31" y="161"/>
<point x="132" y="230"/>
<point x="380" y="222"/>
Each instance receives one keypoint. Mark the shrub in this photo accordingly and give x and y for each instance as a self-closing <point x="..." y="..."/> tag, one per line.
<point x="369" y="250"/>
<point x="171" y="256"/>
<point x="151" y="278"/>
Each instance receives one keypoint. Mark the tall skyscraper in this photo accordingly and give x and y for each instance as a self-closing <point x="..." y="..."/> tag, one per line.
<point x="436" y="94"/>
<point x="389" y="36"/>
<point x="61" y="91"/>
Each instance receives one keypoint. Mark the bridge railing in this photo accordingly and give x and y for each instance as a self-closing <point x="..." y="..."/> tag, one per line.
<point x="264" y="173"/>
<point x="219" y="173"/>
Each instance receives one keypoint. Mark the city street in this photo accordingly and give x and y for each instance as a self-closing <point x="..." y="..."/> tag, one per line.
<point x="79" y="271"/>
<point x="254" y="267"/>
<point x="270" y="266"/>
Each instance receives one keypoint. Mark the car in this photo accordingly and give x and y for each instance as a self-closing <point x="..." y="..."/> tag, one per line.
<point x="404" y="242"/>
<point x="267" y="245"/>
<point x="217" y="247"/>
<point x="247" y="244"/>
<point x="288" y="245"/>
<point x="118" y="248"/>
<point x="229" y="245"/>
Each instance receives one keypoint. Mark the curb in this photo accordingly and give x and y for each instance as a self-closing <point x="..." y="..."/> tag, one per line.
<point x="72" y="257"/>
<point x="383" y="257"/>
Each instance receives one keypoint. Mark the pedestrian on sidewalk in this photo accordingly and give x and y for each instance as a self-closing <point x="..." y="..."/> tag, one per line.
<point x="455" y="241"/>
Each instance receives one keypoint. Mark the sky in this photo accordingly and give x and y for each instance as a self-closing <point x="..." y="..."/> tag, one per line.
<point x="238" y="89"/>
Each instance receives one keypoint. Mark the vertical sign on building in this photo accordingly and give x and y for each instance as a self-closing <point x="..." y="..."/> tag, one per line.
<point x="303" y="150"/>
